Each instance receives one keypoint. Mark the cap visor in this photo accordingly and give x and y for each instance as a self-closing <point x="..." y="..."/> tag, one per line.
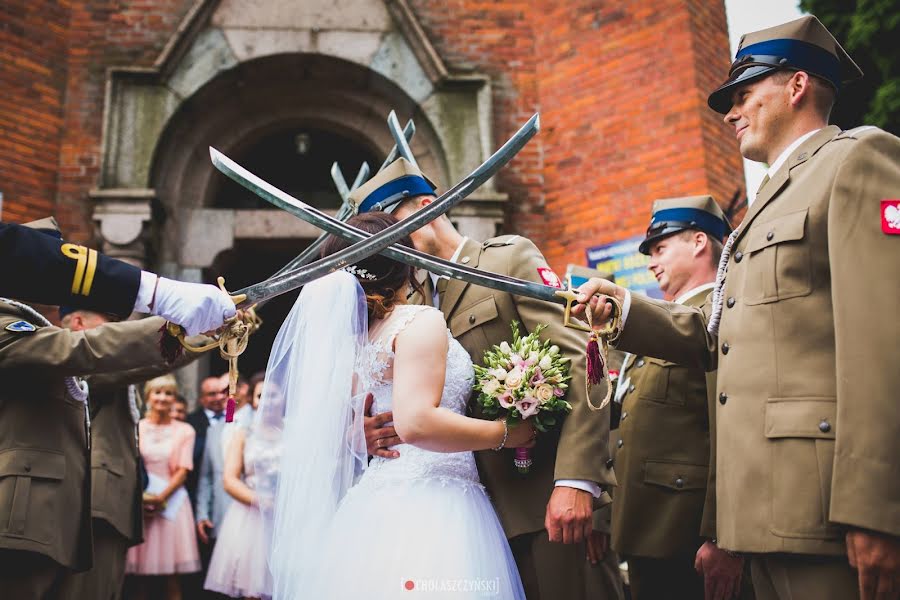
<point x="720" y="99"/>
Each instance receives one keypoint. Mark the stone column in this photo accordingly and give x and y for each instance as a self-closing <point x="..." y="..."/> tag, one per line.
<point x="120" y="217"/>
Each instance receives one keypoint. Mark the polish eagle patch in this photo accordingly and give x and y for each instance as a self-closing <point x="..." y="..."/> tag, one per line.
<point x="890" y="217"/>
<point x="549" y="277"/>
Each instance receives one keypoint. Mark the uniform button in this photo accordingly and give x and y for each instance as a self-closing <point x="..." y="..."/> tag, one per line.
<point x="730" y="302"/>
<point x="609" y="463"/>
<point x="620" y="443"/>
<point x="824" y="426"/>
<point x="679" y="483"/>
<point x="725" y="348"/>
<point x="465" y="260"/>
<point x="471" y="318"/>
<point x="630" y="388"/>
<point x="624" y="416"/>
<point x="639" y="363"/>
<point x="723" y="398"/>
<point x="770" y="236"/>
<point x="738" y="256"/>
<point x="28" y="468"/>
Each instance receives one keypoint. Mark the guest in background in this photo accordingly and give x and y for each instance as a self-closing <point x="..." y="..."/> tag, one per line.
<point x="212" y="406"/>
<point x="239" y="564"/>
<point x="179" y="408"/>
<point x="244" y="414"/>
<point x="166" y="446"/>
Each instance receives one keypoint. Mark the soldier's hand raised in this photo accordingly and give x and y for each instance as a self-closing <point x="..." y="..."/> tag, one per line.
<point x="593" y="292"/>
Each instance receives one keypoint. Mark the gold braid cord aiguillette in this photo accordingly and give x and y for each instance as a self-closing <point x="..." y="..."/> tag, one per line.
<point x="598" y="351"/>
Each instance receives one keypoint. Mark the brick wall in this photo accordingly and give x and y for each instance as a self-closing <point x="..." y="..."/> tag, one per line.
<point x="621" y="88"/>
<point x="33" y="46"/>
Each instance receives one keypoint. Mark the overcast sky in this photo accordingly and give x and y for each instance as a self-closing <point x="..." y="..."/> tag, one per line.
<point x="752" y="15"/>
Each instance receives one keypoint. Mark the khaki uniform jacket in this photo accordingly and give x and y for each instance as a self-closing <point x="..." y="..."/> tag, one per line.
<point x="479" y="318"/>
<point x="807" y="428"/>
<point x="44" y="476"/>
<point x="115" y="488"/>
<point x="662" y="462"/>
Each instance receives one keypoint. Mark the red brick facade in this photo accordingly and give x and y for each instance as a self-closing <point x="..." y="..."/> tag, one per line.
<point x="621" y="88"/>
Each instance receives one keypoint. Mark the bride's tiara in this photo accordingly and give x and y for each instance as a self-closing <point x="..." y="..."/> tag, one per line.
<point x="360" y="273"/>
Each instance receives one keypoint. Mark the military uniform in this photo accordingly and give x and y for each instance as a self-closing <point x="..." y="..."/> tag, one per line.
<point x="480" y="318"/>
<point x="69" y="274"/>
<point x="45" y="473"/>
<point x="807" y="434"/>
<point x="116" y="491"/>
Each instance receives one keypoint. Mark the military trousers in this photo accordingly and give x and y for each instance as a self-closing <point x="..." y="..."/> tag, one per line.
<point x="30" y="576"/>
<point x="105" y="579"/>
<point x="792" y="576"/>
<point x="554" y="571"/>
<point x="661" y="578"/>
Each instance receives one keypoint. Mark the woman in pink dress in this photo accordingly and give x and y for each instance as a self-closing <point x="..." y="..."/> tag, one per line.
<point x="239" y="565"/>
<point x="166" y="445"/>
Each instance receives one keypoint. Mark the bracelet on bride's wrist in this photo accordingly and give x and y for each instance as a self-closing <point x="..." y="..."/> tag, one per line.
<point x="505" y="436"/>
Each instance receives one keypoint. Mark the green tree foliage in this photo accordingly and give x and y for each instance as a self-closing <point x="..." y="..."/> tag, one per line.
<point x="870" y="32"/>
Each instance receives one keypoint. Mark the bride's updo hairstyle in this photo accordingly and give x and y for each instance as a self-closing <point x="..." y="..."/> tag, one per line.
<point x="384" y="281"/>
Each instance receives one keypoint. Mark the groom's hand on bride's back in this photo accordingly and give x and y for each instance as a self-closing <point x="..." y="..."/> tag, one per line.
<point x="380" y="436"/>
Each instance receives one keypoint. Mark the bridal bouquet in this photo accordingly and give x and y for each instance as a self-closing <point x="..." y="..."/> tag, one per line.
<point x="525" y="379"/>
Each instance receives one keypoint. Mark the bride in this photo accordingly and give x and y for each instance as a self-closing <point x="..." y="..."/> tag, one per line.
<point x="343" y="528"/>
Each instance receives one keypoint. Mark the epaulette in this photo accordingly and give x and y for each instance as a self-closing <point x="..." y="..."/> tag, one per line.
<point x="856" y="132"/>
<point x="500" y="241"/>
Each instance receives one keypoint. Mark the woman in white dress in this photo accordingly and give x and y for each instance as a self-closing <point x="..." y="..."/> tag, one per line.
<point x="345" y="529"/>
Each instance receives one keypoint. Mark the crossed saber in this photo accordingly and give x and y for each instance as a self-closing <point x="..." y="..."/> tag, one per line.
<point x="296" y="273"/>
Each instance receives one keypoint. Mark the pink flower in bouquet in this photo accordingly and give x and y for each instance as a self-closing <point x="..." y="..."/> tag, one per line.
<point x="527" y="407"/>
<point x="506" y="400"/>
<point x="559" y="392"/>
<point x="537" y="378"/>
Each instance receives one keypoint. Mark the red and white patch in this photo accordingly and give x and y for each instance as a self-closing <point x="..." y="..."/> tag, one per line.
<point x="890" y="217"/>
<point x="549" y="277"/>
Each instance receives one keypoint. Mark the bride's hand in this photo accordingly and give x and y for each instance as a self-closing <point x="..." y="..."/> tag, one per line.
<point x="521" y="435"/>
<point x="379" y="435"/>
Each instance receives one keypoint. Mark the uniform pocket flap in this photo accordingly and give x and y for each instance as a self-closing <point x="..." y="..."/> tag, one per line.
<point x="676" y="476"/>
<point x="659" y="362"/>
<point x="473" y="315"/>
<point x="801" y="417"/>
<point x="113" y="464"/>
<point x="42" y="464"/>
<point x="783" y="229"/>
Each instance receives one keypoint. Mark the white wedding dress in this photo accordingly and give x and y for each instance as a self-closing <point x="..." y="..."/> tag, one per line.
<point x="419" y="523"/>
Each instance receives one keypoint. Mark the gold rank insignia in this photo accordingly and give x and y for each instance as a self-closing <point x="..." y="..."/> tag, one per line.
<point x="84" y="269"/>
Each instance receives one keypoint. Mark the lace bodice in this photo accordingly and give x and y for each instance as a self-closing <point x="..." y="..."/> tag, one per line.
<point x="376" y="376"/>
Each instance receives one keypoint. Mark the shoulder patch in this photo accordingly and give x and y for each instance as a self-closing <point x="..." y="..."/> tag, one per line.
<point x="890" y="217"/>
<point x="549" y="277"/>
<point x="21" y="327"/>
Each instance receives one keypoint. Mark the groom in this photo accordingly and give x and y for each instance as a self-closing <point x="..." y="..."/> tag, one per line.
<point x="549" y="514"/>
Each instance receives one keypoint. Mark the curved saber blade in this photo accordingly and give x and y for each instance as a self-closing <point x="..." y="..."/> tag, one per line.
<point x="413" y="257"/>
<point x="289" y="281"/>
<point x="402" y="145"/>
<point x="408" y="132"/>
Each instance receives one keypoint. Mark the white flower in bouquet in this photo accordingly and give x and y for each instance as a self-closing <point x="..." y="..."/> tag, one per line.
<point x="504" y="348"/>
<point x="498" y="373"/>
<point x="546" y="362"/>
<point x="544" y="393"/>
<point x="490" y="387"/>
<point x="514" y="379"/>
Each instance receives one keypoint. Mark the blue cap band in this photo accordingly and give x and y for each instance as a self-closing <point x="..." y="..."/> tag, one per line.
<point x="412" y="185"/>
<point x="700" y="219"/>
<point x="800" y="55"/>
